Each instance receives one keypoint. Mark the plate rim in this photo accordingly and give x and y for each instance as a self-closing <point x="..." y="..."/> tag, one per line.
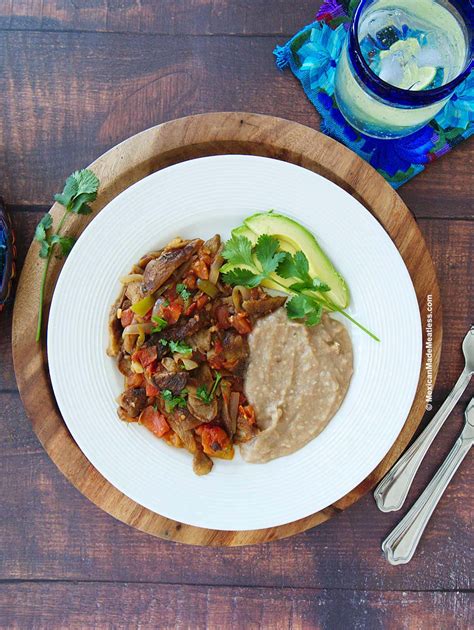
<point x="233" y="129"/>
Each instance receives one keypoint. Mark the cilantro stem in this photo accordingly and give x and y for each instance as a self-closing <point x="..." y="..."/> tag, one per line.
<point x="43" y="280"/>
<point x="41" y="298"/>
<point x="339" y="310"/>
<point x="61" y="223"/>
<point x="331" y="306"/>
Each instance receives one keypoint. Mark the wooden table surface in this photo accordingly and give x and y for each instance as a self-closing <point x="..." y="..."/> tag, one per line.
<point x="76" y="78"/>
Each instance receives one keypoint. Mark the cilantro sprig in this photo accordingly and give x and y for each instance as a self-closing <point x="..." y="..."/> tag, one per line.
<point x="183" y="292"/>
<point x="172" y="401"/>
<point x="259" y="261"/>
<point x="249" y="265"/>
<point x="177" y="346"/>
<point x="161" y="324"/>
<point x="79" y="190"/>
<point x="206" y="396"/>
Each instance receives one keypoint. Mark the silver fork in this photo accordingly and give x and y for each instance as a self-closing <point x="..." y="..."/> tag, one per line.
<point x="392" y="491"/>
<point x="401" y="544"/>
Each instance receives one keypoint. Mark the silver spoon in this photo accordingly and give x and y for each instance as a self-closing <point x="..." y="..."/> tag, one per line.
<point x="401" y="544"/>
<point x="392" y="491"/>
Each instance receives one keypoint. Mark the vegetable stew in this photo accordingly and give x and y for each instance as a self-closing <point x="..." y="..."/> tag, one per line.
<point x="179" y="335"/>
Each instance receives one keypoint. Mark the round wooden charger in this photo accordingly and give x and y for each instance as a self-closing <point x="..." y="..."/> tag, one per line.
<point x="154" y="149"/>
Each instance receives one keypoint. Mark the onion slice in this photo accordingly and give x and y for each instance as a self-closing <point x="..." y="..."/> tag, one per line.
<point x="215" y="266"/>
<point x="136" y="329"/>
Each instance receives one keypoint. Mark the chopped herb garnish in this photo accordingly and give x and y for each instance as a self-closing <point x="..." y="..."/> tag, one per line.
<point x="164" y="342"/>
<point x="206" y="396"/>
<point x="180" y="347"/>
<point x="79" y="190"/>
<point x="172" y="401"/>
<point x="161" y="324"/>
<point x="183" y="292"/>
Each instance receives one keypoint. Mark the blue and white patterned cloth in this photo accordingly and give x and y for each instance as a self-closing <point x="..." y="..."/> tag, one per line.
<point x="312" y="55"/>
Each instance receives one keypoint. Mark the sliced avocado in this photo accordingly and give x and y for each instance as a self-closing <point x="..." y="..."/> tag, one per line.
<point x="243" y="230"/>
<point x="294" y="237"/>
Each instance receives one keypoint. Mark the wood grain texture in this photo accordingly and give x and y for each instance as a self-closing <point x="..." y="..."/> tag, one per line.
<point x="51" y="532"/>
<point x="147" y="152"/>
<point x="68" y="97"/>
<point x="96" y="605"/>
<point x="176" y="17"/>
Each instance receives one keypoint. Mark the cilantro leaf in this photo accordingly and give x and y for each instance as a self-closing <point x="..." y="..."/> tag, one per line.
<point x="79" y="204"/>
<point x="286" y="269"/>
<point x="314" y="317"/>
<point x="69" y="191"/>
<point x="87" y="181"/>
<point x="80" y="189"/>
<point x="296" y="266"/>
<point x="202" y="394"/>
<point x="172" y="401"/>
<point x="315" y="284"/>
<point x="183" y="291"/>
<point x="301" y="265"/>
<point x="44" y="249"/>
<point x="266" y="252"/>
<point x="161" y="324"/>
<point x="319" y="285"/>
<point x="238" y="251"/>
<point x="180" y="347"/>
<point x="47" y="242"/>
<point x="298" y="307"/>
<point x="244" y="277"/>
<point x="305" y="308"/>
<point x="300" y="286"/>
<point x="45" y="223"/>
<point x="65" y="243"/>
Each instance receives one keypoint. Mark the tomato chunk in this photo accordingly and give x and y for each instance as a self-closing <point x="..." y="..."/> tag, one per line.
<point x="200" y="269"/>
<point x="241" y="323"/>
<point x="201" y="302"/>
<point x="190" y="310"/>
<point x="127" y="317"/>
<point x="145" y="356"/>
<point x="222" y="315"/>
<point x="151" y="390"/>
<point x="215" y="441"/>
<point x="172" y="312"/>
<point x="154" y="421"/>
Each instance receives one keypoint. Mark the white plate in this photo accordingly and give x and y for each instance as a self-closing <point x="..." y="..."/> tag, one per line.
<point x="197" y="199"/>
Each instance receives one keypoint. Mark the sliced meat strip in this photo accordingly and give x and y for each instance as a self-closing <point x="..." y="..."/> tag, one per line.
<point x="205" y="412"/>
<point x="160" y="269"/>
<point x="167" y="380"/>
<point x="185" y="435"/>
<point x="115" y="327"/>
<point x="263" y="306"/>
<point x="177" y="333"/>
<point x="202" y="464"/>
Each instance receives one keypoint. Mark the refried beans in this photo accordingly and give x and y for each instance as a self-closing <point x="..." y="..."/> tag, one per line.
<point x="296" y="380"/>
